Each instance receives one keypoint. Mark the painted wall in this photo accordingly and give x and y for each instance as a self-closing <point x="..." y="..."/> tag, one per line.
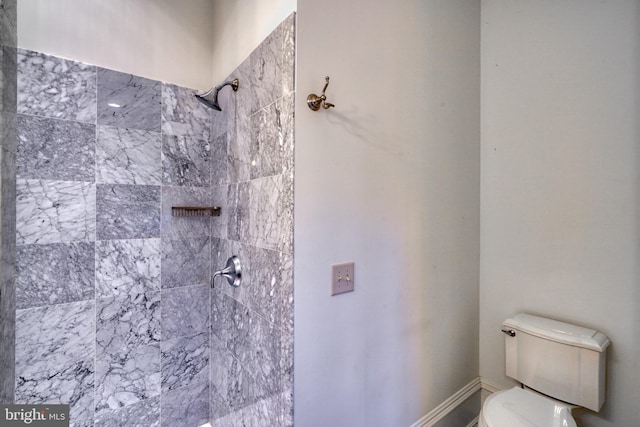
<point x="560" y="181"/>
<point x="389" y="179"/>
<point x="164" y="40"/>
<point x="240" y="26"/>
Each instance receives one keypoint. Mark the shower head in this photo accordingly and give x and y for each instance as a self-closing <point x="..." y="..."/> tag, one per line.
<point x="210" y="98"/>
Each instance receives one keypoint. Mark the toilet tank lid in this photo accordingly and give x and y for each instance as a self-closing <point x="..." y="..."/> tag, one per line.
<point x="555" y="330"/>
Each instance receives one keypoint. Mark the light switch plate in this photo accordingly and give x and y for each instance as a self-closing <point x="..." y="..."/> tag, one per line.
<point x="342" y="278"/>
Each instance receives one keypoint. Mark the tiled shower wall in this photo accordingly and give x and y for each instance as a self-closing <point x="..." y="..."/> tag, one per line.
<point x="7" y="196"/>
<point x="114" y="313"/>
<point x="252" y="326"/>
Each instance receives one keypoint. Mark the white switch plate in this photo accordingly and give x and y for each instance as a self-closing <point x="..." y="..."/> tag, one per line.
<point x="342" y="278"/>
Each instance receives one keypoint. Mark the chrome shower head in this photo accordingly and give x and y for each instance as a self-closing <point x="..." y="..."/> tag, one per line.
<point x="210" y="98"/>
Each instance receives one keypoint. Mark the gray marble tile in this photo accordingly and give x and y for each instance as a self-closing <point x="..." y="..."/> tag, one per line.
<point x="238" y="206"/>
<point x="183" y="114"/>
<point x="272" y="139"/>
<point x="127" y="211"/>
<point x="145" y="413"/>
<point x="128" y="156"/>
<point x="54" y="87"/>
<point x="239" y="152"/>
<point x="266" y="71"/>
<point x="81" y="422"/>
<point x="268" y="275"/>
<point x="54" y="211"/>
<point x="128" y="101"/>
<point x="219" y="225"/>
<point x="225" y="120"/>
<point x="219" y="159"/>
<point x="55" y="356"/>
<point x="7" y="275"/>
<point x="55" y="149"/>
<point x="220" y="365"/>
<point x="185" y="311"/>
<point x="288" y="28"/>
<point x="127" y="322"/>
<point x="244" y="95"/>
<point x="54" y="274"/>
<point x="186" y="407"/>
<point x="8" y="23"/>
<point x="127" y="377"/>
<point x="185" y="361"/>
<point x="271" y="213"/>
<point x="180" y="227"/>
<point x="186" y="161"/>
<point x="185" y="262"/>
<point x="9" y="81"/>
<point x="125" y="267"/>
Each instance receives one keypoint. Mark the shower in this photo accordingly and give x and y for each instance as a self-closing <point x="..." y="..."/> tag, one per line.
<point x="210" y="98"/>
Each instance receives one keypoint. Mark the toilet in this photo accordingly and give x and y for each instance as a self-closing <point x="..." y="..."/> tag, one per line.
<point x="560" y="366"/>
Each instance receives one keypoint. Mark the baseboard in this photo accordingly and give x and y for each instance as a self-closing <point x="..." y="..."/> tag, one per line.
<point x="489" y="386"/>
<point x="446" y="407"/>
<point x="473" y="423"/>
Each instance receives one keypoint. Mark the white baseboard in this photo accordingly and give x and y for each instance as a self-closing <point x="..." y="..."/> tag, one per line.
<point x="489" y="386"/>
<point x="442" y="410"/>
<point x="473" y="423"/>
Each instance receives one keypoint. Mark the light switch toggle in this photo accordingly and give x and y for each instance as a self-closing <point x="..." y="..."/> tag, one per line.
<point x="342" y="278"/>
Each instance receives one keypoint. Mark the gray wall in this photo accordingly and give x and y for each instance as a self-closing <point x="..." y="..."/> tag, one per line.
<point x="560" y="184"/>
<point x="7" y="197"/>
<point x="388" y="178"/>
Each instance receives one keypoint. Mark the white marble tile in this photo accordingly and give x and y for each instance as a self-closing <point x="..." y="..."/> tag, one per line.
<point x="125" y="267"/>
<point x="187" y="406"/>
<point x="185" y="262"/>
<point x="127" y="211"/>
<point x="128" y="101"/>
<point x="185" y="311"/>
<point x="271" y="213"/>
<point x="55" y="356"/>
<point x="145" y="413"/>
<point x="186" y="161"/>
<point x="128" y="156"/>
<point x="55" y="149"/>
<point x="183" y="114"/>
<point x="54" y="211"/>
<point x="185" y="361"/>
<point x="55" y="87"/>
<point x="54" y="274"/>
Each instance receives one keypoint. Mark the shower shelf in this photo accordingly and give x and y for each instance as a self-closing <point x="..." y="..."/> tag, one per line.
<point x="195" y="211"/>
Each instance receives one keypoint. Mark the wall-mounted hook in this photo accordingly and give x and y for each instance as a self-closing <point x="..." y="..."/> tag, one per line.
<point x="315" y="102"/>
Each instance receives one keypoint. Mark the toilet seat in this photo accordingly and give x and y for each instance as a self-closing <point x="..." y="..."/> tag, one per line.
<point x="521" y="408"/>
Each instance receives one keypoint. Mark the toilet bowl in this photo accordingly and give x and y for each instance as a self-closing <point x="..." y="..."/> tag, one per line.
<point x="518" y="407"/>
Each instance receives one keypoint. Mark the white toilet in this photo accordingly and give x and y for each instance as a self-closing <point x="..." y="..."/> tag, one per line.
<point x="561" y="366"/>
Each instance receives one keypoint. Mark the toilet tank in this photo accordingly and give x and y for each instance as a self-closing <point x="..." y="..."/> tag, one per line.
<point x="561" y="360"/>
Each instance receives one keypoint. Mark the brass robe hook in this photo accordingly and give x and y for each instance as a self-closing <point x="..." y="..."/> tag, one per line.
<point x="315" y="102"/>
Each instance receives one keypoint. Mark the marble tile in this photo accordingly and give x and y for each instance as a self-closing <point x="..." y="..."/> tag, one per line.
<point x="185" y="361"/>
<point x="261" y="354"/>
<point x="54" y="274"/>
<point x="7" y="340"/>
<point x="54" y="211"/>
<point x="127" y="377"/>
<point x="185" y="262"/>
<point x="128" y="101"/>
<point x="266" y="71"/>
<point x="127" y="211"/>
<point x="183" y="114"/>
<point x="9" y="82"/>
<point x="186" y="161"/>
<point x="244" y="96"/>
<point x="185" y="311"/>
<point x="82" y="422"/>
<point x="55" y="149"/>
<point x="128" y="156"/>
<point x="55" y="356"/>
<point x="180" y="227"/>
<point x="219" y="225"/>
<point x="125" y="267"/>
<point x="271" y="213"/>
<point x="220" y="365"/>
<point x="238" y="206"/>
<point x="145" y="413"/>
<point x="8" y="23"/>
<point x="267" y="277"/>
<point x="186" y="406"/>
<point x="128" y="322"/>
<point x="239" y="152"/>
<point x="55" y="87"/>
<point x="272" y="139"/>
<point x="219" y="159"/>
<point x="225" y="120"/>
<point x="288" y="29"/>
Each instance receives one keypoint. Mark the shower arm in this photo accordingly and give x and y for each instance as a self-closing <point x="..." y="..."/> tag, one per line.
<point x="232" y="272"/>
